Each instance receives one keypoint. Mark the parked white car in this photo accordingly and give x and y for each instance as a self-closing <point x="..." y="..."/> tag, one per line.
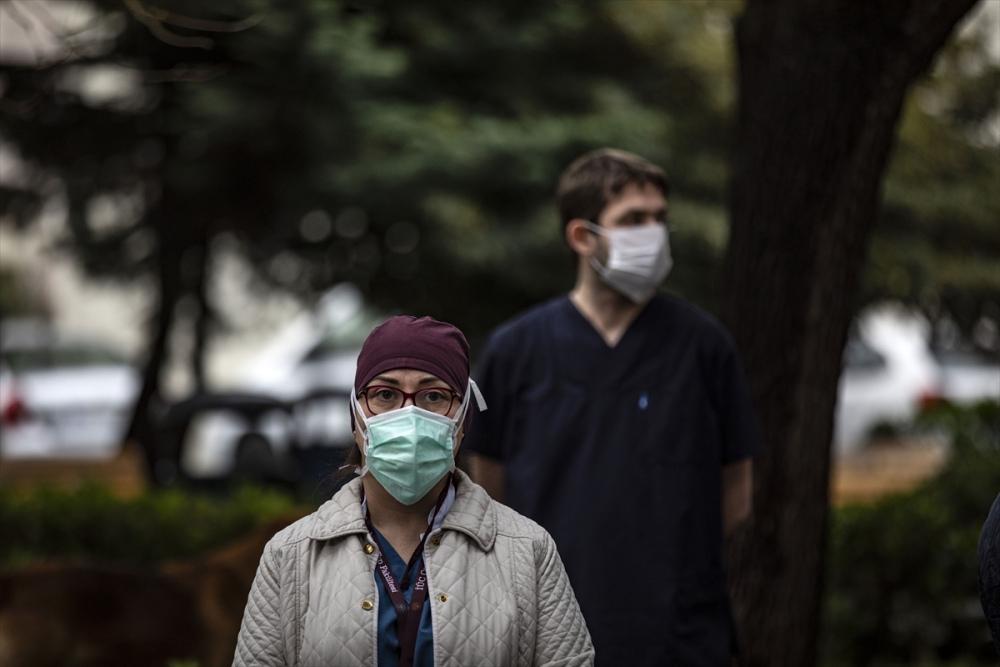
<point x="61" y="397"/>
<point x="890" y="372"/>
<point x="310" y="366"/>
<point x="968" y="377"/>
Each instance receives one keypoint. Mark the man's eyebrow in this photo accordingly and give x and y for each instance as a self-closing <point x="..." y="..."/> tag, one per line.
<point x="640" y="209"/>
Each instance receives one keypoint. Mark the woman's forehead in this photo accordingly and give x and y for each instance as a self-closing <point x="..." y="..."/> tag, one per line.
<point x="407" y="376"/>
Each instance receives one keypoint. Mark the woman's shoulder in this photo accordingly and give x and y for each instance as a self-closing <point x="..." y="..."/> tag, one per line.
<point x="513" y="524"/>
<point x="478" y="515"/>
<point x="294" y="532"/>
<point x="337" y="516"/>
<point x="522" y="530"/>
<point x="499" y="522"/>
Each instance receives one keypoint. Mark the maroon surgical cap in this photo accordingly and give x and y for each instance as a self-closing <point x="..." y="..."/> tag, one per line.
<point x="424" y="344"/>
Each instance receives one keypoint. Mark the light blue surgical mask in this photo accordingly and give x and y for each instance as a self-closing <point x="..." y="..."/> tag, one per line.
<point x="410" y="449"/>
<point x="638" y="259"/>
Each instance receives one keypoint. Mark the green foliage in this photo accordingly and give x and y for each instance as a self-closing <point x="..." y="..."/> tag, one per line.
<point x="901" y="583"/>
<point x="937" y="241"/>
<point x="456" y="118"/>
<point x="13" y="297"/>
<point x="92" y="523"/>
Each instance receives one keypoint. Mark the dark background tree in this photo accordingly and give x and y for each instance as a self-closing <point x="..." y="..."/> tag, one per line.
<point x="821" y="85"/>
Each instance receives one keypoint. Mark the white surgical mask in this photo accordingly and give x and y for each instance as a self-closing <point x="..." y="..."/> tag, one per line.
<point x="410" y="449"/>
<point x="638" y="259"/>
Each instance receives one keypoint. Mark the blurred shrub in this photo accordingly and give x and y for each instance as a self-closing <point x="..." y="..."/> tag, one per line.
<point x="92" y="523"/>
<point x="901" y="583"/>
<point x="885" y="429"/>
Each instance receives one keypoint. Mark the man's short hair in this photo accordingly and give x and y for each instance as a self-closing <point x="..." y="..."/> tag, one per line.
<point x="593" y="180"/>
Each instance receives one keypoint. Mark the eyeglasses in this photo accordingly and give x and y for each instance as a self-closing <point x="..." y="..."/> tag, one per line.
<point x="386" y="399"/>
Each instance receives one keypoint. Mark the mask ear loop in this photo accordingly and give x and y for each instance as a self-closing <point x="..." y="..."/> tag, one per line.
<point x="472" y="389"/>
<point x="358" y="420"/>
<point x="480" y="401"/>
<point x="597" y="266"/>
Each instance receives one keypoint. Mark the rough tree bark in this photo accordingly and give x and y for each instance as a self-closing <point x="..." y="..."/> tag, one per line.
<point x="821" y="85"/>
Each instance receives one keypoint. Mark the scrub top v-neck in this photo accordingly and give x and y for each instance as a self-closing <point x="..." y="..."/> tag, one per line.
<point x="617" y="452"/>
<point x="388" y="634"/>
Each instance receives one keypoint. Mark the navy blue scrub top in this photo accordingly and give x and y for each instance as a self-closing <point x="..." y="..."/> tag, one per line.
<point x="618" y="452"/>
<point x="388" y="634"/>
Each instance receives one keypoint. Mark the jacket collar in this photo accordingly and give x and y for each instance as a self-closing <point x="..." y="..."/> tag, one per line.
<point x="473" y="513"/>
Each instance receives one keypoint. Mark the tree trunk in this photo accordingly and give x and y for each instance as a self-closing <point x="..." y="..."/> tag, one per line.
<point x="821" y="85"/>
<point x="203" y="323"/>
<point x="142" y="429"/>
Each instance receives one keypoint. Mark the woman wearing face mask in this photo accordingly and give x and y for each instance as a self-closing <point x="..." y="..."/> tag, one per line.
<point x="412" y="564"/>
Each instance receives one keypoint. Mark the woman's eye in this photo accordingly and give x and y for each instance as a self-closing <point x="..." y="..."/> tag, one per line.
<point x="385" y="395"/>
<point x="433" y="396"/>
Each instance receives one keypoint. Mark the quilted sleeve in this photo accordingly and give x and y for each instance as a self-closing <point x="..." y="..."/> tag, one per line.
<point x="562" y="639"/>
<point x="261" y="642"/>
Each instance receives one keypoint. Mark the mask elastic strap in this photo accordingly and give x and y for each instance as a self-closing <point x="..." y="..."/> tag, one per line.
<point x="600" y="268"/>
<point x="480" y="401"/>
<point x="359" y="419"/>
<point x="471" y="390"/>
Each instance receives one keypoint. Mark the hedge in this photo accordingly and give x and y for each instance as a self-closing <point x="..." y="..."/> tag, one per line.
<point x="91" y="523"/>
<point x="901" y="581"/>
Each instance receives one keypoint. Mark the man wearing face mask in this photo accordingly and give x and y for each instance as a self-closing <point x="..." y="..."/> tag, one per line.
<point x="620" y="420"/>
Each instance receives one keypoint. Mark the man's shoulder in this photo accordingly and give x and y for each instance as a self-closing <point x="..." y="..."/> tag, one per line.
<point x="686" y="317"/>
<point x="527" y="324"/>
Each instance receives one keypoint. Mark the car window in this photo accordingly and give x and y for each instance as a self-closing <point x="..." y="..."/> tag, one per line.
<point x="22" y="360"/>
<point x="350" y="334"/>
<point x="858" y="355"/>
<point x="968" y="357"/>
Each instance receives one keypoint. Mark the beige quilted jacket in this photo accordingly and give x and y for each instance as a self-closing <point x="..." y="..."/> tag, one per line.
<point x="497" y="588"/>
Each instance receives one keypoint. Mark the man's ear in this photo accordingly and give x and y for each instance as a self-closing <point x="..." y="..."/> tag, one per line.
<point x="579" y="238"/>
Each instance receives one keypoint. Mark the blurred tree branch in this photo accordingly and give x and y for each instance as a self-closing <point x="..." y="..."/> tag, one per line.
<point x="26" y="25"/>
<point x="154" y="18"/>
